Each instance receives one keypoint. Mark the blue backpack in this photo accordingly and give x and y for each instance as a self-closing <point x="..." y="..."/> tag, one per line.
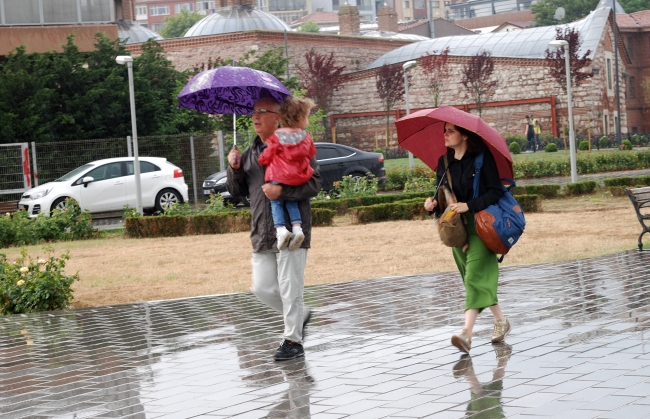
<point x="500" y="225"/>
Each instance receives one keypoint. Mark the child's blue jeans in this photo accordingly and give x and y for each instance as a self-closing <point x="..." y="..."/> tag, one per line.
<point x="277" y="209"/>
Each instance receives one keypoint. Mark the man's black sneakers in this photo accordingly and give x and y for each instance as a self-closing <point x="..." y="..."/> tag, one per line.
<point x="289" y="350"/>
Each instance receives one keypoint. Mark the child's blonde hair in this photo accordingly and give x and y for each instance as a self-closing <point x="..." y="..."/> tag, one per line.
<point x="294" y="110"/>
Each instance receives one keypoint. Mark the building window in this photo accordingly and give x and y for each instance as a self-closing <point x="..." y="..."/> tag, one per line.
<point x="185" y="6"/>
<point x="204" y="5"/>
<point x="159" y="10"/>
<point x="635" y="130"/>
<point x="407" y="4"/>
<point x="606" y="125"/>
<point x="157" y="27"/>
<point x="609" y="74"/>
<point x="630" y="47"/>
<point x="140" y="12"/>
<point x="435" y="4"/>
<point x="632" y="88"/>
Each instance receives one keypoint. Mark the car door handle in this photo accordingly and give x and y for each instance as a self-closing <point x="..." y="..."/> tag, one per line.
<point x="155" y="176"/>
<point x="119" y="182"/>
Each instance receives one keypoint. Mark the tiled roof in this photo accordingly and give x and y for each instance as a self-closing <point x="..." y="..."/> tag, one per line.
<point x="411" y="24"/>
<point x="318" y="17"/>
<point x="634" y="20"/>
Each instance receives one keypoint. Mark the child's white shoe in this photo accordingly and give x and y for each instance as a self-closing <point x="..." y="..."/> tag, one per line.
<point x="296" y="240"/>
<point x="284" y="237"/>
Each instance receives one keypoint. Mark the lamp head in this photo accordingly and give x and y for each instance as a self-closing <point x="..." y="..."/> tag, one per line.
<point x="559" y="43"/>
<point x="409" y="64"/>
<point x="123" y="59"/>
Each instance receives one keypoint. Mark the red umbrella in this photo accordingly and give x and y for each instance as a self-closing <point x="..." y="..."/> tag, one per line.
<point x="422" y="133"/>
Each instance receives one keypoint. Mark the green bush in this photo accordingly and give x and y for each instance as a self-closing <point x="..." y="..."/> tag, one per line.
<point x="626" y="145"/>
<point x="584" y="145"/>
<point x="603" y="142"/>
<point x="515" y="138"/>
<point x="627" y="181"/>
<point x="551" y="148"/>
<point x="379" y="150"/>
<point x="580" y="188"/>
<point x="27" y="285"/>
<point x="586" y="163"/>
<point x="514" y="148"/>
<point x="529" y="202"/>
<point x="341" y="206"/>
<point x="640" y="140"/>
<point x="417" y="179"/>
<point x="18" y="229"/>
<point x="402" y="210"/>
<point x="546" y="191"/>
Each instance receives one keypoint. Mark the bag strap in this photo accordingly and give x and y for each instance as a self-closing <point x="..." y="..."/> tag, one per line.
<point x="478" y="163"/>
<point x="447" y="172"/>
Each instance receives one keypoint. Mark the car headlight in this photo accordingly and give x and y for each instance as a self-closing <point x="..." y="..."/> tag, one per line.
<point x="40" y="194"/>
<point x="222" y="181"/>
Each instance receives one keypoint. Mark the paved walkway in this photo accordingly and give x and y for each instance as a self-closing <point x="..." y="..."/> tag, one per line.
<point x="579" y="349"/>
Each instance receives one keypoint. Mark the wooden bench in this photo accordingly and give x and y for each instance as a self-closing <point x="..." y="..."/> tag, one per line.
<point x="640" y="198"/>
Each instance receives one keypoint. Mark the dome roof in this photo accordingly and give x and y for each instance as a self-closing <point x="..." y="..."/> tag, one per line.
<point x="133" y="33"/>
<point x="236" y="19"/>
<point x="526" y="43"/>
<point x="396" y="35"/>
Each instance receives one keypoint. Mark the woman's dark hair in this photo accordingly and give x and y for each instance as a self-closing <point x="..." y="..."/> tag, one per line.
<point x="474" y="143"/>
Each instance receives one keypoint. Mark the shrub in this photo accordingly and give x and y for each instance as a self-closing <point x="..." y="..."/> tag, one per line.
<point x="27" y="285"/>
<point x="627" y="181"/>
<point x="379" y="150"/>
<point x="551" y="148"/>
<point x="546" y="191"/>
<point x="584" y="145"/>
<point x="603" y="142"/>
<point x="514" y="148"/>
<point x="626" y="145"/>
<point x="640" y="140"/>
<point x="515" y="138"/>
<point x="402" y="210"/>
<point x="580" y="188"/>
<point x="529" y="202"/>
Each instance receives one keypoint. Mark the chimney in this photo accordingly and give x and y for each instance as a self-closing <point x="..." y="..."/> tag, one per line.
<point x="349" y="20"/>
<point x="128" y="10"/>
<point x="387" y="19"/>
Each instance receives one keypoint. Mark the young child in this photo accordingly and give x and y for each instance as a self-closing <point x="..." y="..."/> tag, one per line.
<point x="287" y="159"/>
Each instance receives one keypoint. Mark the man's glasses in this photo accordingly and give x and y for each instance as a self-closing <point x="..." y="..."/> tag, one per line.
<point x="262" y="111"/>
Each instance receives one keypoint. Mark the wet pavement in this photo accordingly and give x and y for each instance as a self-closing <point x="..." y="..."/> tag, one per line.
<point x="376" y="348"/>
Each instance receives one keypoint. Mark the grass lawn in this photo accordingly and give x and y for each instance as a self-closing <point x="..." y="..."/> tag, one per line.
<point x="403" y="164"/>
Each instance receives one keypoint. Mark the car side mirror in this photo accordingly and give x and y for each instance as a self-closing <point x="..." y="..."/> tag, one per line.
<point x="87" y="180"/>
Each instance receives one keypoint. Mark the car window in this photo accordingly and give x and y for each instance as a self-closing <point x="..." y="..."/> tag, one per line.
<point x="345" y="152"/>
<point x="107" y="171"/>
<point x="323" y="153"/>
<point x="74" y="173"/>
<point x="145" y="167"/>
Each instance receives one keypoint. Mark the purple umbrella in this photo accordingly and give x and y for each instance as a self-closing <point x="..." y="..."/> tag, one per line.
<point x="230" y="90"/>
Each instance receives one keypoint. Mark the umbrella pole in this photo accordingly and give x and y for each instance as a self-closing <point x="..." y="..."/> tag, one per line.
<point x="234" y="130"/>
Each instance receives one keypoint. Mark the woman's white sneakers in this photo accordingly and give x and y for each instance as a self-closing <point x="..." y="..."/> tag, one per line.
<point x="501" y="329"/>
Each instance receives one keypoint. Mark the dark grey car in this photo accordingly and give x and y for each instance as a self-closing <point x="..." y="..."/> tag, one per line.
<point x="335" y="161"/>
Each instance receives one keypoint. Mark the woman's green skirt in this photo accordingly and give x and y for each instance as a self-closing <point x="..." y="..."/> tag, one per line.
<point x="479" y="269"/>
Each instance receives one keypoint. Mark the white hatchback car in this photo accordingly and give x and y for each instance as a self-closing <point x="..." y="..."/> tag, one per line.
<point x="108" y="185"/>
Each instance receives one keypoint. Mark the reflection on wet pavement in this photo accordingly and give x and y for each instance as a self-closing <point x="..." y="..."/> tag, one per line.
<point x="375" y="348"/>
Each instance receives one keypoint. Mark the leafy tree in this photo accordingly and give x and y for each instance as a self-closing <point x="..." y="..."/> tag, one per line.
<point x="309" y="26"/>
<point x="390" y="88"/>
<point x="555" y="60"/>
<point x="435" y="67"/>
<point x="632" y="6"/>
<point x="177" y="25"/>
<point x="544" y="10"/>
<point x="477" y="79"/>
<point x="321" y="78"/>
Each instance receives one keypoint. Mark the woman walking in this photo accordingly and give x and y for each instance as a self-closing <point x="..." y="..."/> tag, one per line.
<point x="478" y="265"/>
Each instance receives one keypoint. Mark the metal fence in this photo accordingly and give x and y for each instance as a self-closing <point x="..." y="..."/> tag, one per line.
<point x="198" y="155"/>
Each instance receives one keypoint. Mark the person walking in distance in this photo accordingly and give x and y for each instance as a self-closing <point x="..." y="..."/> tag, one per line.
<point x="278" y="275"/>
<point x="478" y="265"/>
<point x="286" y="159"/>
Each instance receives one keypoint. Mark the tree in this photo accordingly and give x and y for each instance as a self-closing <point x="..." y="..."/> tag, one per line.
<point x="477" y="79"/>
<point x="544" y="10"/>
<point x="176" y="26"/>
<point x="320" y="78"/>
<point x="632" y="6"/>
<point x="309" y="26"/>
<point x="390" y="88"/>
<point x="555" y="60"/>
<point x="435" y="66"/>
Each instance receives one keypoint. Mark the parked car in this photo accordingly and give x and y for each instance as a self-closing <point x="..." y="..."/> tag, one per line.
<point x="108" y="185"/>
<point x="335" y="161"/>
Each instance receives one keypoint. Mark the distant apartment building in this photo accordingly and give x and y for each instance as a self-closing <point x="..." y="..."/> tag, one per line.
<point x="152" y="13"/>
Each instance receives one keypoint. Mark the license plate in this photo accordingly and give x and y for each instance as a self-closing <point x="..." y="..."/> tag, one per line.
<point x="207" y="191"/>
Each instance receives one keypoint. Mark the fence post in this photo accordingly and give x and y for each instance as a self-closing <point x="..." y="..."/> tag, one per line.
<point x="35" y="167"/>
<point x="222" y="164"/>
<point x="128" y="146"/>
<point x="196" y="196"/>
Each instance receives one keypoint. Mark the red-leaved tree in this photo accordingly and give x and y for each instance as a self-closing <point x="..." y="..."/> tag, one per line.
<point x="435" y="67"/>
<point x="555" y="60"/>
<point x="320" y="77"/>
<point x="477" y="79"/>
<point x="390" y="88"/>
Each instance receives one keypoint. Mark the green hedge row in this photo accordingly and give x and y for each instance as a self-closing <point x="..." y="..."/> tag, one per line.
<point x="341" y="206"/>
<point x="628" y="181"/>
<point x="189" y="225"/>
<point x="546" y="191"/>
<point x="580" y="188"/>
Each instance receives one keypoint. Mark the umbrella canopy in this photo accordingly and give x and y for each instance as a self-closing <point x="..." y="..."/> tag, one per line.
<point x="230" y="90"/>
<point x="422" y="133"/>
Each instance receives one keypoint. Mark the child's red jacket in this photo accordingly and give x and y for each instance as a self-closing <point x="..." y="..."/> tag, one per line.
<point x="287" y="156"/>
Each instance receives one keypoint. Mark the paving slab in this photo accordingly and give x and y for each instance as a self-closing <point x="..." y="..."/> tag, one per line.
<point x="579" y="348"/>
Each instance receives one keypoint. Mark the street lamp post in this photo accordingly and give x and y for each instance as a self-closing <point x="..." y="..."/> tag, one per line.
<point x="406" y="66"/>
<point x="564" y="45"/>
<point x="128" y="61"/>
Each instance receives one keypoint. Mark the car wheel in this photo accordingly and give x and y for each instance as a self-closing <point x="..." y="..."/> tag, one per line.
<point x="166" y="198"/>
<point x="59" y="204"/>
<point x="357" y="177"/>
<point x="246" y="201"/>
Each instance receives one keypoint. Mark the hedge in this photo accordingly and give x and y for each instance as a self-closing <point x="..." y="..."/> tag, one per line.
<point x="627" y="181"/>
<point x="580" y="188"/>
<point x="546" y="191"/>
<point x="596" y="163"/>
<point x="341" y="206"/>
<point x="190" y="225"/>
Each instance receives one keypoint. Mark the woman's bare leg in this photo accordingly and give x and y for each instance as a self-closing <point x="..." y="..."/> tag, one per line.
<point x="496" y="312"/>
<point x="470" y="320"/>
